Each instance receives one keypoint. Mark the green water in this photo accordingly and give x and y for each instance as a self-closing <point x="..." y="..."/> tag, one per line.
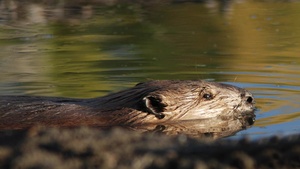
<point x="86" y="50"/>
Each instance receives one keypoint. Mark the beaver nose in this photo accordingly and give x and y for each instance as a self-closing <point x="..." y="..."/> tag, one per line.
<point x="249" y="99"/>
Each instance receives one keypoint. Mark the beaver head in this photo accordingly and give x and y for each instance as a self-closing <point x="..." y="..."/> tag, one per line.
<point x="173" y="101"/>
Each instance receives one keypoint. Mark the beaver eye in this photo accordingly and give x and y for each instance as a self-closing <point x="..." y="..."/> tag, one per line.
<point x="207" y="96"/>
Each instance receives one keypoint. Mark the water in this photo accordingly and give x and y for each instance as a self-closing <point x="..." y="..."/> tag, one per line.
<point x="92" y="49"/>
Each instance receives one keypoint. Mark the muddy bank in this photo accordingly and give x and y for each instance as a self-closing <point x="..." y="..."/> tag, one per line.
<point x="119" y="148"/>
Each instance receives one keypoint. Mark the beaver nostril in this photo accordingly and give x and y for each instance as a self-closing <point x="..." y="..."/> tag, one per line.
<point x="249" y="99"/>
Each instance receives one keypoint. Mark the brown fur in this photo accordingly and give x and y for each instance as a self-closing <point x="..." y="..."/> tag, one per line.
<point x="154" y="102"/>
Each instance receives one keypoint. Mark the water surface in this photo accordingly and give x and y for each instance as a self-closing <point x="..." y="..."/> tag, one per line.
<point x="92" y="49"/>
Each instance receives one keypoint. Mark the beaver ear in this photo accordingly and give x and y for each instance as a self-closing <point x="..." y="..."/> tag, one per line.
<point x="155" y="105"/>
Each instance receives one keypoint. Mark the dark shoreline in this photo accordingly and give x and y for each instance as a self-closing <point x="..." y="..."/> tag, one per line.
<point x="119" y="148"/>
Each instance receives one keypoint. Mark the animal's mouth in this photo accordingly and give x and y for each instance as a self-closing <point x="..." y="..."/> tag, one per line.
<point x="247" y="118"/>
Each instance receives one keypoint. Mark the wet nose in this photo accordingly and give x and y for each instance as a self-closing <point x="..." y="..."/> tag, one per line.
<point x="249" y="99"/>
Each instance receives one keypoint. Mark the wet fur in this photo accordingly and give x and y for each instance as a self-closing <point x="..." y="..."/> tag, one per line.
<point x="150" y="102"/>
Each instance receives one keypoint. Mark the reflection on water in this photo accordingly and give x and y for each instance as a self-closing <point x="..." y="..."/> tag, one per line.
<point x="205" y="129"/>
<point x="85" y="50"/>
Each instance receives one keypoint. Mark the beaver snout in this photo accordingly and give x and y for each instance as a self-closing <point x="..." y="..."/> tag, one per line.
<point x="251" y="120"/>
<point x="247" y="116"/>
<point x="248" y="102"/>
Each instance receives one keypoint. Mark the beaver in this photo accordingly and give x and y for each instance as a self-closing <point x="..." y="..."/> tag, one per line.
<point x="153" y="102"/>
